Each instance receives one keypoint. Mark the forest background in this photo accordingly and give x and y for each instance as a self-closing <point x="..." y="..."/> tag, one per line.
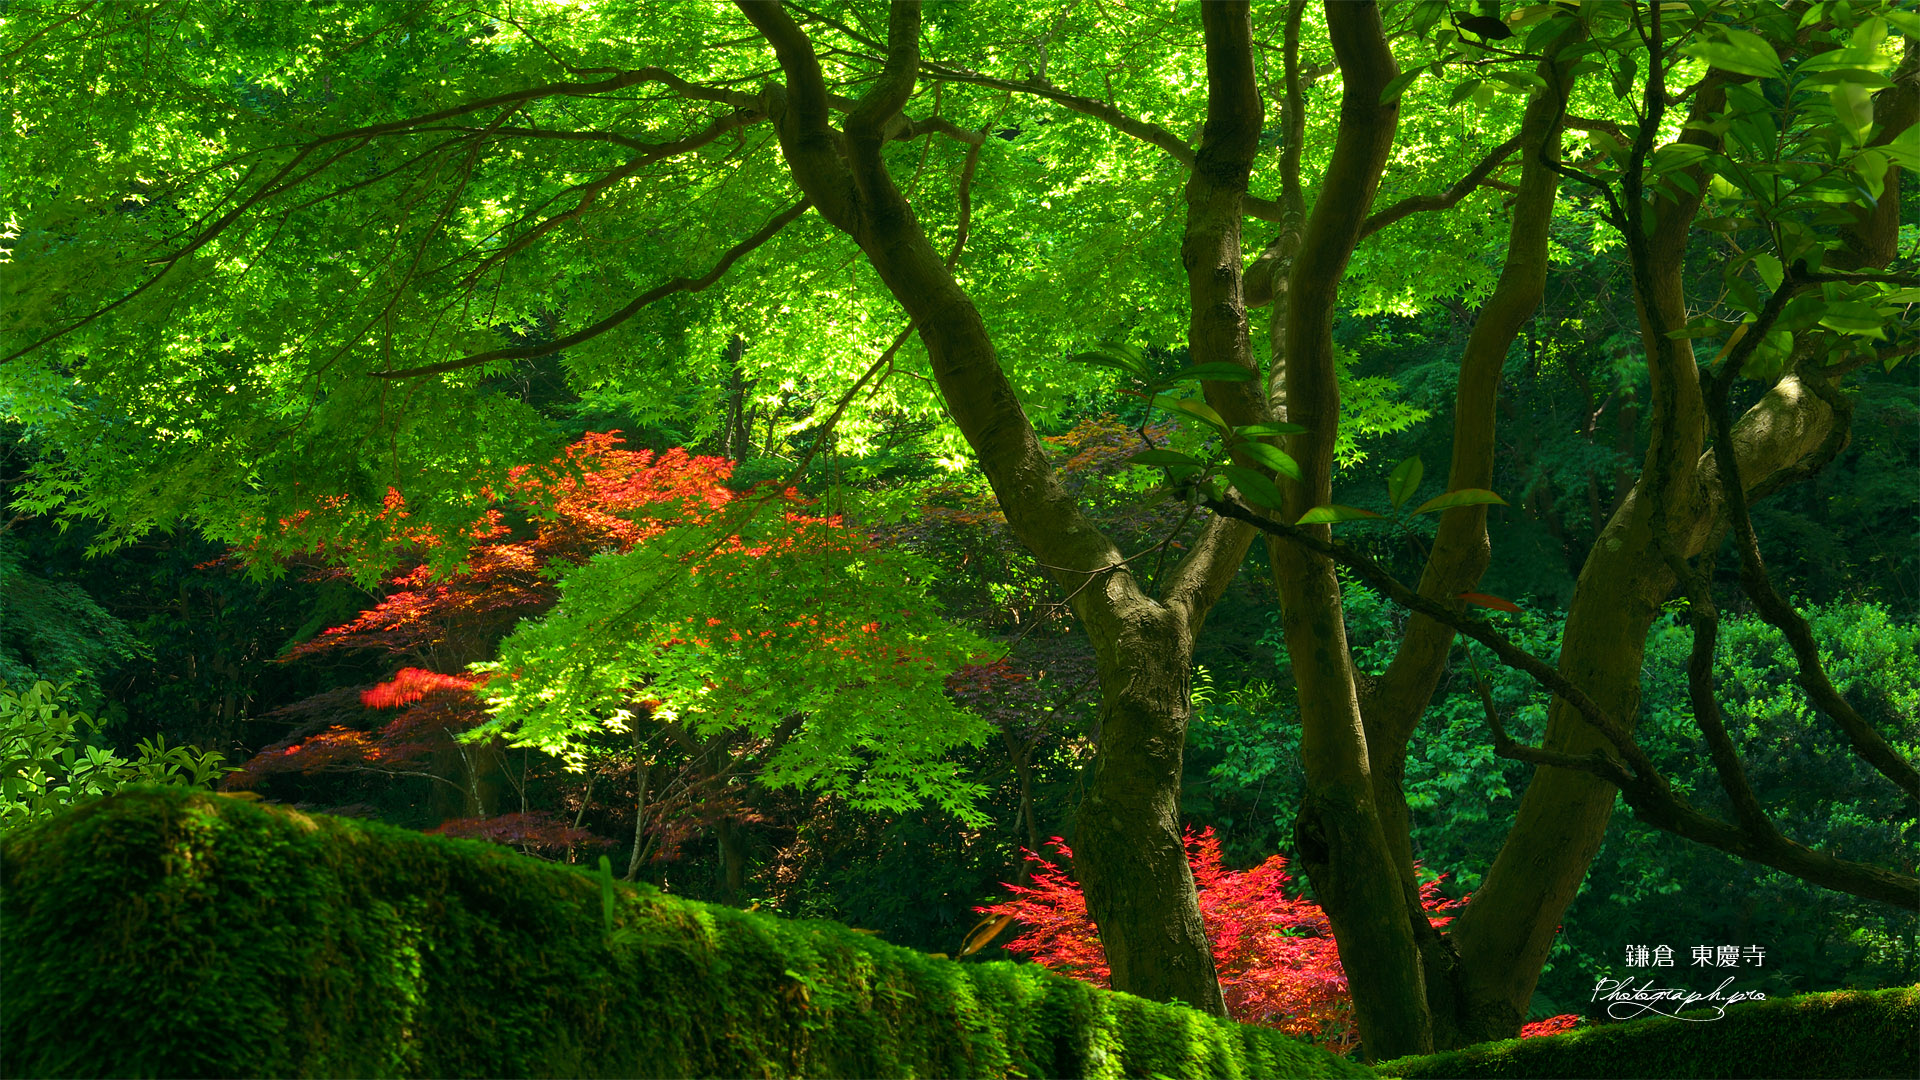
<point x="311" y="386"/>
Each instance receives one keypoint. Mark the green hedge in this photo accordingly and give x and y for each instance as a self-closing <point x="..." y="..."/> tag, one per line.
<point x="1852" y="1034"/>
<point x="169" y="933"/>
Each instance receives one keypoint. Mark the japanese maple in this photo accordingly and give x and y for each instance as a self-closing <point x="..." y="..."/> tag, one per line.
<point x="730" y="631"/>
<point x="1273" y="950"/>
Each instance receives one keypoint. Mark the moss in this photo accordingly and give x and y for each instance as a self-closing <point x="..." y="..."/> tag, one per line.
<point x="163" y="933"/>
<point x="1852" y="1033"/>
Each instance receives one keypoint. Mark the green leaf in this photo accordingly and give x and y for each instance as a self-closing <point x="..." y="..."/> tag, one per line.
<point x="1852" y="317"/>
<point x="1677" y="156"/>
<point x="1255" y="488"/>
<point x="1400" y="82"/>
<point x="1523" y="81"/>
<point x="1254" y="431"/>
<point x="1107" y="360"/>
<point x="1853" y="108"/>
<point x="1769" y="269"/>
<point x="1163" y="457"/>
<point x="1740" y="52"/>
<point x="1624" y="75"/>
<point x="1404" y="481"/>
<point x="1463" y="91"/>
<point x="1272" y="458"/>
<point x="1215" y="372"/>
<point x="1463" y="497"/>
<point x="1334" y="514"/>
<point x="1198" y="409"/>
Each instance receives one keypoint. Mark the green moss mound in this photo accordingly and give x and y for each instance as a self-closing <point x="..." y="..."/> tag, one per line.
<point x="1851" y="1034"/>
<point x="169" y="933"/>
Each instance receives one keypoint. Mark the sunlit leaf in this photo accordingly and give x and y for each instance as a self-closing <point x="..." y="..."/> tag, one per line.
<point x="1463" y="497"/>
<point x="983" y="932"/>
<point x="1404" y="481"/>
<point x="1254" y="487"/>
<point x="1272" y="458"/>
<point x="1200" y="410"/>
<point x="1486" y="601"/>
<point x="1332" y="514"/>
<point x="1254" y="431"/>
<point x="1740" y="52"/>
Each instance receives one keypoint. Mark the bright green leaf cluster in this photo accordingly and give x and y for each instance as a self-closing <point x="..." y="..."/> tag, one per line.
<point x="824" y="653"/>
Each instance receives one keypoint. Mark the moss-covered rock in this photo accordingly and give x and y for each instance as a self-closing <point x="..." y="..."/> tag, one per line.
<point x="169" y="933"/>
<point x="1852" y="1034"/>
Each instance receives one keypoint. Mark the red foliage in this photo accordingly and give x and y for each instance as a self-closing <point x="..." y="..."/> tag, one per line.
<point x="1552" y="1025"/>
<point x="591" y="498"/>
<point x="531" y="830"/>
<point x="435" y="708"/>
<point x="411" y="684"/>
<point x="1275" y="953"/>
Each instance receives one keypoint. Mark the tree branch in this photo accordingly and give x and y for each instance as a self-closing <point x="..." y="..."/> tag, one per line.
<point x="665" y="289"/>
<point x="1643" y="787"/>
<point x="1418" y="204"/>
<point x="1146" y="131"/>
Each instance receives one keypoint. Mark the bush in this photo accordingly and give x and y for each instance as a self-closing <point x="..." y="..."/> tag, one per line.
<point x="46" y="763"/>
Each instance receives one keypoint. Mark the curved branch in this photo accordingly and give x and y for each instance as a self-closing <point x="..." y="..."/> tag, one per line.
<point x="279" y="183"/>
<point x="591" y="192"/>
<point x="1645" y="790"/>
<point x="1418" y="204"/>
<point x="1146" y="131"/>
<point x="665" y="289"/>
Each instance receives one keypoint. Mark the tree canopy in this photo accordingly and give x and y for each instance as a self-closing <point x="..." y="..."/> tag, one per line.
<point x="280" y="273"/>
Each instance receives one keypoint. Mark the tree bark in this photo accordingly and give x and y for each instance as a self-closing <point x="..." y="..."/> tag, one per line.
<point x="1391" y="707"/>
<point x="1338" y="832"/>
<point x="1130" y="854"/>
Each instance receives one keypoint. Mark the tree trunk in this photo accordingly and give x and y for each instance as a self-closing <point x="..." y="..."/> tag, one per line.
<point x="1338" y="832"/>
<point x="1129" y="852"/>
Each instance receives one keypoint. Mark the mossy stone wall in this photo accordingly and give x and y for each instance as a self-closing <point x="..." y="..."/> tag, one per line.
<point x="169" y="933"/>
<point x="1847" y="1035"/>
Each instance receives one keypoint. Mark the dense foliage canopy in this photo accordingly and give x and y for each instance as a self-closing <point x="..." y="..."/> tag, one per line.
<point x="929" y="324"/>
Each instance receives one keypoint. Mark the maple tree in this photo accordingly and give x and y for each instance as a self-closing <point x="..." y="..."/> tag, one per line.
<point x="314" y="242"/>
<point x="695" y="631"/>
<point x="1272" y="946"/>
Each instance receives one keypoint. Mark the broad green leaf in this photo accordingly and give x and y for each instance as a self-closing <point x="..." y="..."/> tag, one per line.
<point x="1853" y="108"/>
<point x="1163" y="457"/>
<point x="1333" y="514"/>
<point x="1677" y="156"/>
<point x="1110" y="360"/>
<point x="1198" y="409"/>
<point x="1217" y="372"/>
<point x="1254" y="431"/>
<point x="1624" y="75"/>
<point x="1255" y="488"/>
<point x="1400" y="82"/>
<point x="1463" y="91"/>
<point x="1769" y="269"/>
<point x="1404" y="481"/>
<point x="1463" y="497"/>
<point x="1852" y="317"/>
<point x="1740" y="52"/>
<point x="1272" y="458"/>
<point x="1871" y="166"/>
